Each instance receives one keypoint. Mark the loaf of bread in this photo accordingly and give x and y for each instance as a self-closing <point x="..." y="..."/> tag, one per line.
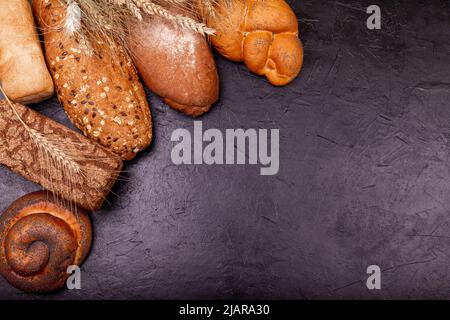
<point x="99" y="167"/>
<point x="263" y="34"/>
<point x="23" y="72"/>
<point x="96" y="83"/>
<point x="175" y="63"/>
<point x="40" y="238"/>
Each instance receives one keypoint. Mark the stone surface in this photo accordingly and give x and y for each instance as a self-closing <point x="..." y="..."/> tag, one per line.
<point x="364" y="176"/>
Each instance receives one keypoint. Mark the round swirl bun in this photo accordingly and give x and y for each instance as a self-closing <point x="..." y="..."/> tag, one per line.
<point x="40" y="238"/>
<point x="263" y="34"/>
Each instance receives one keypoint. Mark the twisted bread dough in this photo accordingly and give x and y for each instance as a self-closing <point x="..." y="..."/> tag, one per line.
<point x="263" y="34"/>
<point x="39" y="239"/>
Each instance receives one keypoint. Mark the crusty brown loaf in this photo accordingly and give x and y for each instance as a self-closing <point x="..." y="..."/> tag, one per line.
<point x="19" y="153"/>
<point x="97" y="85"/>
<point x="23" y="72"/>
<point x="175" y="63"/>
<point x="39" y="239"/>
<point x="263" y="34"/>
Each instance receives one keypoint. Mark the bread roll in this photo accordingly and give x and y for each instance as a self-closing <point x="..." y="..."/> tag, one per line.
<point x="39" y="239"/>
<point x="96" y="83"/>
<point x="23" y="72"/>
<point x="175" y="63"/>
<point x="263" y="34"/>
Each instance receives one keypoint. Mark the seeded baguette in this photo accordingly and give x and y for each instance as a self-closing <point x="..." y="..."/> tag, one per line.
<point x="96" y="83"/>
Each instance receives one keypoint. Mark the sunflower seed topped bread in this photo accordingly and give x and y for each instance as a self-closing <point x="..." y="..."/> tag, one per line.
<point x="23" y="72"/>
<point x="261" y="33"/>
<point x="96" y="83"/>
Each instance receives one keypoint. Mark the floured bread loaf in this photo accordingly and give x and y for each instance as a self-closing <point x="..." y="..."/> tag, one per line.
<point x="175" y="63"/>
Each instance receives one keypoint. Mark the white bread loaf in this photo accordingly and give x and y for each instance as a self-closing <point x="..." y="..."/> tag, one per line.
<point x="23" y="72"/>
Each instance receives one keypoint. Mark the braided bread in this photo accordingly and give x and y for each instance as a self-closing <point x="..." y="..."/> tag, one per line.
<point x="263" y="34"/>
<point x="40" y="238"/>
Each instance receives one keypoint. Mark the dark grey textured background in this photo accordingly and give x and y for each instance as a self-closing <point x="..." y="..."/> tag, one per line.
<point x="364" y="176"/>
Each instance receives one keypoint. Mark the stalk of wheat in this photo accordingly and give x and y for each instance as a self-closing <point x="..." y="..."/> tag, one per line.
<point x="50" y="155"/>
<point x="106" y="19"/>
<point x="152" y="8"/>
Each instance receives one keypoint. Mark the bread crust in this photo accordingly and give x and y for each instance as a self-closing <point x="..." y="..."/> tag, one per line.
<point x="176" y="64"/>
<point x="261" y="33"/>
<point x="40" y="238"/>
<point x="96" y="83"/>
<point x="23" y="72"/>
<point x="100" y="167"/>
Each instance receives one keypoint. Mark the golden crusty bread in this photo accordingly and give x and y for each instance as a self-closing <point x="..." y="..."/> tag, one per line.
<point x="40" y="237"/>
<point x="96" y="83"/>
<point x="175" y="63"/>
<point x="23" y="72"/>
<point x="263" y="34"/>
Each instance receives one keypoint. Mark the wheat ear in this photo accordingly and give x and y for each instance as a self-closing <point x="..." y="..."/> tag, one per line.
<point x="209" y="6"/>
<point x="176" y="1"/>
<point x="130" y="6"/>
<point x="186" y="22"/>
<point x="46" y="146"/>
<point x="72" y="22"/>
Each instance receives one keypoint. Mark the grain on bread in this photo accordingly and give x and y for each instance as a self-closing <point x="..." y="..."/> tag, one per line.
<point x="96" y="83"/>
